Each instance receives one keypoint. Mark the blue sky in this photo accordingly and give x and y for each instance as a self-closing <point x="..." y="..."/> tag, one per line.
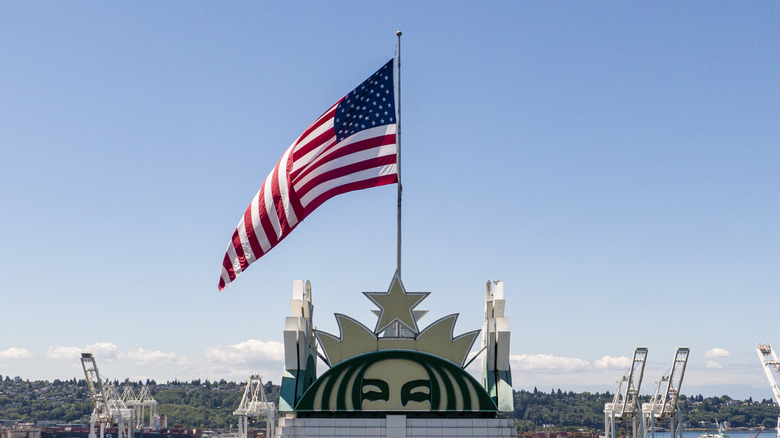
<point x="615" y="164"/>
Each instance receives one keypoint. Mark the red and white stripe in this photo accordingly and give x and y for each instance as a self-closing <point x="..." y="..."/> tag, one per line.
<point x="314" y="169"/>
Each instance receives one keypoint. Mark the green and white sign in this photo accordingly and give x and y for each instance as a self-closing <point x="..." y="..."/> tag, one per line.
<point x="396" y="380"/>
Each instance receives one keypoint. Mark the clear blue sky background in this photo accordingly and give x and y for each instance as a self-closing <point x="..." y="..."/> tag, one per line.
<point x="616" y="164"/>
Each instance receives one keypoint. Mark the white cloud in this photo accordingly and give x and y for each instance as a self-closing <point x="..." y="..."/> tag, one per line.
<point x="239" y="361"/>
<point x="716" y="352"/>
<point x="232" y="362"/>
<point x="247" y="351"/>
<point x="546" y="362"/>
<point x="63" y="353"/>
<point x="714" y="365"/>
<point x="109" y="353"/>
<point x="106" y="351"/>
<point x="609" y="362"/>
<point x="15" y="353"/>
<point x="143" y="357"/>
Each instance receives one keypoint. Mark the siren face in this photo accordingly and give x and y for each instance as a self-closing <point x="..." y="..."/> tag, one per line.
<point x="394" y="385"/>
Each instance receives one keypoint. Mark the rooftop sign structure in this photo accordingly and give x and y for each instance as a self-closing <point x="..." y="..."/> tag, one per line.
<point x="396" y="367"/>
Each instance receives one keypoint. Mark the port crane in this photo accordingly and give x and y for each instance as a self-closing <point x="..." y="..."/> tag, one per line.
<point x="772" y="368"/>
<point x="109" y="407"/>
<point x="663" y="404"/>
<point x="626" y="402"/>
<point x="255" y="404"/>
<point x="139" y="402"/>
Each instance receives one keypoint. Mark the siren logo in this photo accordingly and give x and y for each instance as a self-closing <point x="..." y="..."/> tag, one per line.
<point x="395" y="384"/>
<point x="396" y="380"/>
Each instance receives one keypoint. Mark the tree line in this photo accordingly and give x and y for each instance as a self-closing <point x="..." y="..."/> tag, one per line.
<point x="196" y="404"/>
<point x="535" y="410"/>
<point x="210" y="405"/>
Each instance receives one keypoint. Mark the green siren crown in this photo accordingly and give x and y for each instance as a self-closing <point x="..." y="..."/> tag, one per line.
<point x="396" y="329"/>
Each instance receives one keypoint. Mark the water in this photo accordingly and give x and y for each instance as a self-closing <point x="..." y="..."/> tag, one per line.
<point x="730" y="433"/>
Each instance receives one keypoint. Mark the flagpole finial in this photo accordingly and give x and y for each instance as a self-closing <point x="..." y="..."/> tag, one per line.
<point x="398" y="33"/>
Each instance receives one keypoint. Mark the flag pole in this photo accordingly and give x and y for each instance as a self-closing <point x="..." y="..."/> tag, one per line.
<point x="398" y="158"/>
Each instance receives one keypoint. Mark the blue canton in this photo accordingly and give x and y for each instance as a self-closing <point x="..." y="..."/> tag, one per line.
<point x="369" y="105"/>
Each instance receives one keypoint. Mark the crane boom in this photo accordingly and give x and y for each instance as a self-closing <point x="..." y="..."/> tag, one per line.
<point x="626" y="400"/>
<point x="772" y="368"/>
<point x="109" y="408"/>
<point x="674" y="382"/>
<point x="96" y="390"/>
<point x="663" y="405"/>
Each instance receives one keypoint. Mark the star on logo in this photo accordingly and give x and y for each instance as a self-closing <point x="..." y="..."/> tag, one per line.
<point x="396" y="305"/>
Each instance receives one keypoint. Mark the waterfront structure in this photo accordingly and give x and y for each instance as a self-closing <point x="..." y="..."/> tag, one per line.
<point x="254" y="404"/>
<point x="20" y="431"/>
<point x="139" y="402"/>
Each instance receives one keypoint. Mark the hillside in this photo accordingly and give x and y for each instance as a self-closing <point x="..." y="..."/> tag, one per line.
<point x="204" y="404"/>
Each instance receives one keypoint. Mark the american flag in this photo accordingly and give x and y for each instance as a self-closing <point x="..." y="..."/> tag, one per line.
<point x="350" y="147"/>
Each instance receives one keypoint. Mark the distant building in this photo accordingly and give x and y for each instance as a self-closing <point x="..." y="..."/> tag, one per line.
<point x="22" y="430"/>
